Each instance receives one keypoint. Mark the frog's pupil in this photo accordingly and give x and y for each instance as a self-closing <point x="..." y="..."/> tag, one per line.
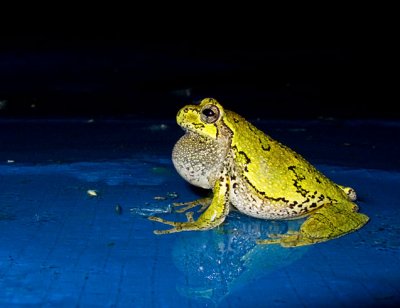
<point x="208" y="112"/>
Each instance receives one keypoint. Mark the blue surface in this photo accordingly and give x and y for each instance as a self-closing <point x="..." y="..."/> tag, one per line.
<point x="59" y="246"/>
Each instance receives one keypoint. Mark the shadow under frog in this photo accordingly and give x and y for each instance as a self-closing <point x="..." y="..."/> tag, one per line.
<point x="214" y="264"/>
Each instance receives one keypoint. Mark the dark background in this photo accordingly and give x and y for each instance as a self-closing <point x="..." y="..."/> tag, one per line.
<point x="52" y="76"/>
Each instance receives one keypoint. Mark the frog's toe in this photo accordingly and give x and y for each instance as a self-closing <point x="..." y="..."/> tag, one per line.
<point x="181" y="207"/>
<point x="158" y="219"/>
<point x="164" y="221"/>
<point x="189" y="216"/>
<point x="159" y="232"/>
<point x="185" y="206"/>
<point x="178" y="226"/>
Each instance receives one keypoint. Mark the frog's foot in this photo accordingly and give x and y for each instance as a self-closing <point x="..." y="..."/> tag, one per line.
<point x="210" y="218"/>
<point x="203" y="223"/>
<point x="204" y="203"/>
<point x="178" y="226"/>
<point x="326" y="223"/>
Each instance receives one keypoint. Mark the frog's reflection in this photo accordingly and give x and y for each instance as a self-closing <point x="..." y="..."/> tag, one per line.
<point x="219" y="261"/>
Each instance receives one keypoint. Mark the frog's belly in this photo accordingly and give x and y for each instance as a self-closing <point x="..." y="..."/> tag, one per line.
<point x="250" y="204"/>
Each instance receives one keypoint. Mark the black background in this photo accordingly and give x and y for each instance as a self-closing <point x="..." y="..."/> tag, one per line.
<point x="44" y="75"/>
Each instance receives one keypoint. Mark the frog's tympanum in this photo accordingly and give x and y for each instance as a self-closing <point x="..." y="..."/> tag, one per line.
<point x="258" y="176"/>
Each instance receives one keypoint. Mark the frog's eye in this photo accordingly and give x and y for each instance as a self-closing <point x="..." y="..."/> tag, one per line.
<point x="209" y="114"/>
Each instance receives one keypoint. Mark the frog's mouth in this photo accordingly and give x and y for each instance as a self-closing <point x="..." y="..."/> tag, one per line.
<point x="190" y="132"/>
<point x="193" y="127"/>
<point x="195" y="135"/>
<point x="201" y="130"/>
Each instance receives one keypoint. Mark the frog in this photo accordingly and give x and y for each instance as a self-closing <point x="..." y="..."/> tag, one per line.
<point x="250" y="172"/>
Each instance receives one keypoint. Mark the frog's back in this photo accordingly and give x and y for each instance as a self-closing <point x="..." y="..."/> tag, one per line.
<point x="281" y="183"/>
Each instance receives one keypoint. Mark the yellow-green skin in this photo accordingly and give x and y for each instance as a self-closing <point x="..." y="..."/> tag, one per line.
<point x="258" y="176"/>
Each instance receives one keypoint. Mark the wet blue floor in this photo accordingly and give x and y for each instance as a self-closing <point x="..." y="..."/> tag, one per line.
<point x="61" y="244"/>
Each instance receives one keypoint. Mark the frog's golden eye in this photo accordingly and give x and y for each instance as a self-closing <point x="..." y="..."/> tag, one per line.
<point x="209" y="114"/>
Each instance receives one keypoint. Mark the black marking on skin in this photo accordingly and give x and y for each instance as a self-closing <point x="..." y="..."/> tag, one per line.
<point x="265" y="148"/>
<point x="296" y="182"/>
<point x="264" y="145"/>
<point x="198" y="125"/>
<point x="331" y="199"/>
<point x="243" y="154"/>
<point x="216" y="129"/>
<point x="306" y="201"/>
<point x="248" y="160"/>
<point x="262" y="193"/>
<point x="279" y="199"/>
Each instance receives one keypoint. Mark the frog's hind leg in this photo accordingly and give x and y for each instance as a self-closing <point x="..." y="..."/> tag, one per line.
<point x="326" y="223"/>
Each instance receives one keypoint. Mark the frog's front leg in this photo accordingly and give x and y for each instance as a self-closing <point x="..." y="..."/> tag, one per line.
<point x="211" y="218"/>
<point x="326" y="223"/>
<point x="203" y="202"/>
